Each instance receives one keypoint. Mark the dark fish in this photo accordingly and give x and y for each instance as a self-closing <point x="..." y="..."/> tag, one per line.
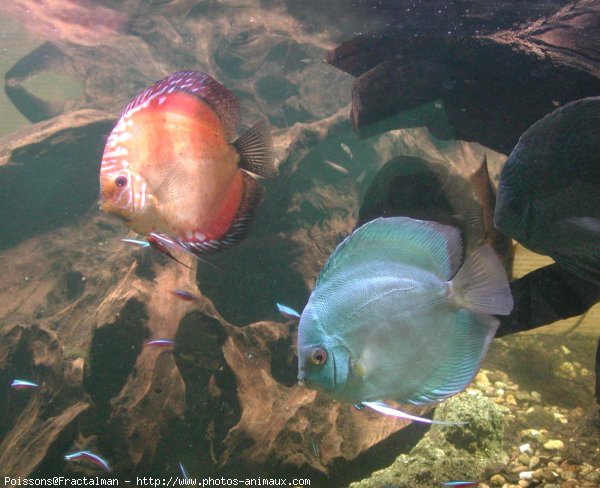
<point x="170" y="166"/>
<point x="23" y="385"/>
<point x="89" y="456"/>
<point x="549" y="190"/>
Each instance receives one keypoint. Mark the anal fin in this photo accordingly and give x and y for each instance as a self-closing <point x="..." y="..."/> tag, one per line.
<point x="240" y="225"/>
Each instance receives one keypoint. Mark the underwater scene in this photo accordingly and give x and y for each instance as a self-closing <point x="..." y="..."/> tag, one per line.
<point x="336" y="243"/>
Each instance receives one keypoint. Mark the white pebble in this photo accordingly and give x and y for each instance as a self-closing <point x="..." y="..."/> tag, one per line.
<point x="525" y="447"/>
<point x="526" y="475"/>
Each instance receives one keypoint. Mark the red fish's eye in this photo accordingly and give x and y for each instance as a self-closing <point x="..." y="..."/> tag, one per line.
<point x="318" y="356"/>
<point x="120" y="181"/>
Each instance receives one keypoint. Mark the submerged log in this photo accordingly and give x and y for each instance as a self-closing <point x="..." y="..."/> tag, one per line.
<point x="493" y="86"/>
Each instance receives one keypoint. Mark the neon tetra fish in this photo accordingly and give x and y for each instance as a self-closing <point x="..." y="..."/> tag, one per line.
<point x="169" y="166"/>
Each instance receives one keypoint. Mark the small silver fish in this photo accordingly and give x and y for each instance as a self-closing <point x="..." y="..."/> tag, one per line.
<point x="89" y="456"/>
<point x="337" y="167"/>
<point x="448" y="484"/>
<point x="159" y="342"/>
<point x="183" y="471"/>
<point x="136" y="242"/>
<point x="347" y="150"/>
<point x="186" y="296"/>
<point x="287" y="312"/>
<point x="23" y="385"/>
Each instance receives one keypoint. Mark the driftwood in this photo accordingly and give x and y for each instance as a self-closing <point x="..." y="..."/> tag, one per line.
<point x="493" y="86"/>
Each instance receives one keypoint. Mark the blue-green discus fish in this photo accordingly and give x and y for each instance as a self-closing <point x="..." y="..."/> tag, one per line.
<point x="394" y="316"/>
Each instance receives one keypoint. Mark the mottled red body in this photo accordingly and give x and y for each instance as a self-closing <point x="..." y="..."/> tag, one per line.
<point x="169" y="166"/>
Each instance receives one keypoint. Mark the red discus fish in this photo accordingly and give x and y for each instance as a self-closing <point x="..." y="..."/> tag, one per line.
<point x="169" y="168"/>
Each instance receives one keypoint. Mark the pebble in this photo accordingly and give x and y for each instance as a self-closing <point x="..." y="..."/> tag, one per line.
<point x="543" y="474"/>
<point x="540" y="459"/>
<point x="523" y="396"/>
<point x="536" y="397"/>
<point x="593" y="477"/>
<point x="533" y="434"/>
<point x="525" y="447"/>
<point x="497" y="480"/>
<point x="526" y="475"/>
<point x="569" y="484"/>
<point x="554" y="445"/>
<point x="567" y="370"/>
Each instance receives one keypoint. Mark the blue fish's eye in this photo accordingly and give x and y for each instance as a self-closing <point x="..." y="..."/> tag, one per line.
<point x="318" y="356"/>
<point x="121" y="181"/>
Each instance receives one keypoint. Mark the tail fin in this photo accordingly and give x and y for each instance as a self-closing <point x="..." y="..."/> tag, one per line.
<point x="481" y="284"/>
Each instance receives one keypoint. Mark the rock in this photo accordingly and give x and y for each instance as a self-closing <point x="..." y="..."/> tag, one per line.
<point x="526" y="475"/>
<point x="567" y="370"/>
<point x="593" y="477"/>
<point x="554" y="445"/>
<point x="569" y="484"/>
<point x="448" y="452"/>
<point x="524" y="448"/>
<point x="524" y="459"/>
<point x="534" y="462"/>
<point x="497" y="480"/>
<point x="543" y="474"/>
<point x="537" y="416"/>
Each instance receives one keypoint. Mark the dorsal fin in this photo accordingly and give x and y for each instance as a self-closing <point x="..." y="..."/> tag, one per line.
<point x="429" y="245"/>
<point x="224" y="103"/>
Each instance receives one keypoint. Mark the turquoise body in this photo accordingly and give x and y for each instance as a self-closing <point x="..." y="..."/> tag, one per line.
<point x="390" y="318"/>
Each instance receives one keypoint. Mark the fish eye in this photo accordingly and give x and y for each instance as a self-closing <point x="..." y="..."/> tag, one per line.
<point x="120" y="181"/>
<point x="318" y="356"/>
